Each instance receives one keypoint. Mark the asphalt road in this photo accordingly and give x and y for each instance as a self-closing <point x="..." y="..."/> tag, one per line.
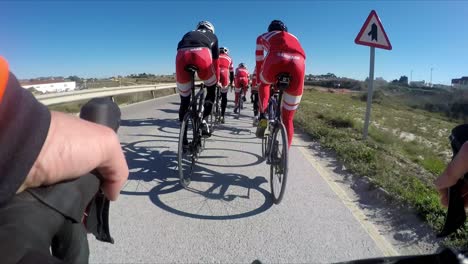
<point x="227" y="216"/>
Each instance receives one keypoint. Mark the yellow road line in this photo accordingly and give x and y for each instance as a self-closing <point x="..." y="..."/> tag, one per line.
<point x="385" y="246"/>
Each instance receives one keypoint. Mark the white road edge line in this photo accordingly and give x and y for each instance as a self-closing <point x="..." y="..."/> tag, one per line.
<point x="385" y="246"/>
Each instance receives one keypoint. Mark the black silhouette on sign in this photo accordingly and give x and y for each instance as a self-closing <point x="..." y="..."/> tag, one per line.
<point x="373" y="32"/>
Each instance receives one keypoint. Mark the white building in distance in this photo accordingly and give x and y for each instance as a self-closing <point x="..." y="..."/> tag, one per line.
<point x="50" y="86"/>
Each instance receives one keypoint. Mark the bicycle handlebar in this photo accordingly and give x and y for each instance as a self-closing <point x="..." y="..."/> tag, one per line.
<point x="49" y="220"/>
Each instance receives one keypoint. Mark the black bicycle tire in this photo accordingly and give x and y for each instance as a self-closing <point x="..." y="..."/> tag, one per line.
<point x="184" y="182"/>
<point x="284" y="161"/>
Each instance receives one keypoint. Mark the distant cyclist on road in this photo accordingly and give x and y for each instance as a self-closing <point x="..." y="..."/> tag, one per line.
<point x="226" y="69"/>
<point x="241" y="79"/>
<point x="199" y="48"/>
<point x="284" y="55"/>
<point x="254" y="95"/>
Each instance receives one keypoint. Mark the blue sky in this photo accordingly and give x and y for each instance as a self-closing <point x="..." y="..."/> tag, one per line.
<point x="105" y="38"/>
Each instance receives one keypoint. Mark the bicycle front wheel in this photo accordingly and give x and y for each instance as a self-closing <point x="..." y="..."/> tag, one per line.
<point x="187" y="150"/>
<point x="265" y="143"/>
<point x="279" y="163"/>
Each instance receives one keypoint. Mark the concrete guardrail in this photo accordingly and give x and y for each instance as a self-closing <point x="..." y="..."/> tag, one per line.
<point x="67" y="97"/>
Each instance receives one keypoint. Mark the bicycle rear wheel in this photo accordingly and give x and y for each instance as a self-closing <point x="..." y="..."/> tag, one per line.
<point x="279" y="163"/>
<point x="187" y="150"/>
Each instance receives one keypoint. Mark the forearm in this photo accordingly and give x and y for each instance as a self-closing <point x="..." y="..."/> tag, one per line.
<point x="459" y="166"/>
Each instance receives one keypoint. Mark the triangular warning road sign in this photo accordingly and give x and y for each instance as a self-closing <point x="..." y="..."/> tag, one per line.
<point x="373" y="34"/>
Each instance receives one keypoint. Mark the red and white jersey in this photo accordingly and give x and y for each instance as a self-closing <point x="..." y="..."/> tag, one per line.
<point x="242" y="73"/>
<point x="281" y="43"/>
<point x="254" y="81"/>
<point x="225" y="62"/>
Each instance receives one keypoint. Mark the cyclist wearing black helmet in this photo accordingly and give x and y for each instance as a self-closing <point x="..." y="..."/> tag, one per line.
<point x="199" y="48"/>
<point x="226" y="69"/>
<point x="284" y="54"/>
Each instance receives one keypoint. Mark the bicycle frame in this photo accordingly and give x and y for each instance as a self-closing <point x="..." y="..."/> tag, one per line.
<point x="196" y="105"/>
<point x="275" y="107"/>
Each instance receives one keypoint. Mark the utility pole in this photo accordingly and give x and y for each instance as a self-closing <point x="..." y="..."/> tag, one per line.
<point x="411" y="76"/>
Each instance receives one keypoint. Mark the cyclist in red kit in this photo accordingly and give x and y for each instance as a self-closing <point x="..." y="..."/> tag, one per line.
<point x="199" y="48"/>
<point x="241" y="81"/>
<point x="284" y="54"/>
<point x="226" y="70"/>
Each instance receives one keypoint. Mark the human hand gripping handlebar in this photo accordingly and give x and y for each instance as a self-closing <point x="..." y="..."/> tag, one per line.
<point x="456" y="214"/>
<point x="50" y="224"/>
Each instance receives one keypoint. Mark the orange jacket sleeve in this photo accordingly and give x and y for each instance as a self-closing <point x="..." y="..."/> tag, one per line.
<point x="4" y="72"/>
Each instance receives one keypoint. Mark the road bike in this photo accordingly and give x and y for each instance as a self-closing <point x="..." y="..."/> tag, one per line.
<point x="240" y="102"/>
<point x="275" y="140"/>
<point x="191" y="139"/>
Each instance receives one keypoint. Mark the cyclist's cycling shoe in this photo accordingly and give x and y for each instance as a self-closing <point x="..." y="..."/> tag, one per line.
<point x="262" y="125"/>
<point x="244" y="99"/>
<point x="205" y="129"/>
<point x="235" y="110"/>
<point x="222" y="120"/>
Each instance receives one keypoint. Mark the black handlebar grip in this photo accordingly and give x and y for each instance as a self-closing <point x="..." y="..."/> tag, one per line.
<point x="105" y="112"/>
<point x="102" y="111"/>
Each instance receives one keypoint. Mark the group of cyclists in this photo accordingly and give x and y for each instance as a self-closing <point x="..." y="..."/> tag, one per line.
<point x="42" y="147"/>
<point x="277" y="51"/>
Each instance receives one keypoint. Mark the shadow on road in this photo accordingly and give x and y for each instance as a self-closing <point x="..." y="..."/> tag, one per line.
<point x="211" y="195"/>
<point x="159" y="123"/>
<point x="169" y="111"/>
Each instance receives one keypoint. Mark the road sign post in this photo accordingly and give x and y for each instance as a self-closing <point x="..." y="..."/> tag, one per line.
<point x="370" y="92"/>
<point x="372" y="34"/>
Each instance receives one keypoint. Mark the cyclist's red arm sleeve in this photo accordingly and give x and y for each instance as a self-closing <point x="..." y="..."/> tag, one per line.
<point x="231" y="66"/>
<point x="259" y="54"/>
<point x="24" y="124"/>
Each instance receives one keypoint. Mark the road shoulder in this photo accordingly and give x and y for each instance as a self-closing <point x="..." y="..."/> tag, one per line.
<point x="395" y="228"/>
